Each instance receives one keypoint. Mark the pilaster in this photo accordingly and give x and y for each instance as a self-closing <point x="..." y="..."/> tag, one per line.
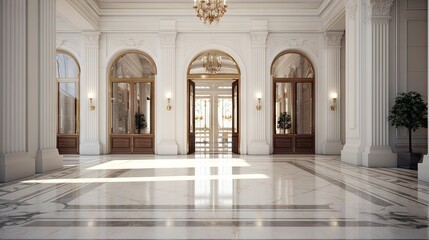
<point x="423" y="168"/>
<point x="355" y="38"/>
<point x="333" y="143"/>
<point x="166" y="86"/>
<point x="47" y="158"/>
<point x="377" y="150"/>
<point x="90" y="139"/>
<point x="14" y="160"/>
<point x="258" y="144"/>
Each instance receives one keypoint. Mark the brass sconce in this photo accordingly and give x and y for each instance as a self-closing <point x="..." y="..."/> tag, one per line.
<point x="334" y="101"/>
<point x="168" y="101"/>
<point x="259" y="106"/>
<point x="91" y="102"/>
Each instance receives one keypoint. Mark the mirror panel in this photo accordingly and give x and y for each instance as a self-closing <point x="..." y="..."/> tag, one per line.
<point x="67" y="107"/>
<point x="304" y="108"/>
<point x="121" y="119"/>
<point x="142" y="107"/>
<point x="284" y="105"/>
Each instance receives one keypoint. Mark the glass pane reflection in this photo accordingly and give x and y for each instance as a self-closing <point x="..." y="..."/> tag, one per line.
<point x="67" y="107"/>
<point x="284" y="104"/>
<point x="293" y="65"/>
<point x="142" y="107"/>
<point x="66" y="66"/>
<point x="121" y="120"/>
<point x="235" y="116"/>
<point x="133" y="65"/>
<point x="304" y="108"/>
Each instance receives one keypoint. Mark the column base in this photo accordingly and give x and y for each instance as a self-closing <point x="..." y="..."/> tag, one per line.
<point x="424" y="169"/>
<point x="90" y="149"/>
<point x="167" y="147"/>
<point x="333" y="147"/>
<point x="379" y="157"/>
<point x="258" y="148"/>
<point x="15" y="166"/>
<point x="351" y="154"/>
<point x="48" y="160"/>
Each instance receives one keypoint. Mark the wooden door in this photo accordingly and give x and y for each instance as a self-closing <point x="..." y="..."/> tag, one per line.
<point x="191" y="117"/>
<point x="235" y="117"/>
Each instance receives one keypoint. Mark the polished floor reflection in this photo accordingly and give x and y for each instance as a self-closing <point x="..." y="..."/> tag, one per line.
<point x="215" y="197"/>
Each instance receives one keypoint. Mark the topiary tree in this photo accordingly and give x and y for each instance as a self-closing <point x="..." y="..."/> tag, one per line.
<point x="409" y="111"/>
<point x="140" y="121"/>
<point x="284" y="121"/>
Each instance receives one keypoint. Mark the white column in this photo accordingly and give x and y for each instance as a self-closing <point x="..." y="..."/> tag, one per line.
<point x="257" y="130"/>
<point x="14" y="161"/>
<point x="355" y="38"/>
<point x="333" y="143"/>
<point x="377" y="150"/>
<point x="89" y="132"/>
<point x="423" y="168"/>
<point x="166" y="85"/>
<point x="47" y="158"/>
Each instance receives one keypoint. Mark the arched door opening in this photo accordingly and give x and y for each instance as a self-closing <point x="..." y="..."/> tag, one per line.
<point x="293" y="104"/>
<point x="131" y="105"/>
<point x="213" y="104"/>
<point x="68" y="75"/>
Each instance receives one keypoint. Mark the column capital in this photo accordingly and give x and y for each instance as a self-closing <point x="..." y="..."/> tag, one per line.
<point x="351" y="8"/>
<point x="168" y="39"/>
<point x="379" y="8"/>
<point x="259" y="39"/>
<point x="333" y="38"/>
<point x="91" y="38"/>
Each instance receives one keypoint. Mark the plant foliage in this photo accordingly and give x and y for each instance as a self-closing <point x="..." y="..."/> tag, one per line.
<point x="284" y="121"/>
<point x="140" y="121"/>
<point x="409" y="111"/>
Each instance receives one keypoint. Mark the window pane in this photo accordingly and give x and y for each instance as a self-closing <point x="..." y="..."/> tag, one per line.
<point x="66" y="67"/>
<point x="204" y="63"/>
<point x="284" y="108"/>
<point x="67" y="107"/>
<point x="133" y="65"/>
<point x="191" y="108"/>
<point x="121" y="120"/>
<point x="292" y="65"/>
<point x="142" y="107"/>
<point x="304" y="108"/>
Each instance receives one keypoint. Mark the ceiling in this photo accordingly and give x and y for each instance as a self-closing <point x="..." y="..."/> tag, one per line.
<point x="313" y="15"/>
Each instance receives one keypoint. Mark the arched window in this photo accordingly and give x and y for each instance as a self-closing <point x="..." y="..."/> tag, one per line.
<point x="67" y="74"/>
<point x="132" y="79"/>
<point x="293" y="99"/>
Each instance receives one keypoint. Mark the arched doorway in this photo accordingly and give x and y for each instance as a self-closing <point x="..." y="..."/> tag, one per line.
<point x="132" y="103"/>
<point x="68" y="76"/>
<point x="213" y="103"/>
<point x="293" y="104"/>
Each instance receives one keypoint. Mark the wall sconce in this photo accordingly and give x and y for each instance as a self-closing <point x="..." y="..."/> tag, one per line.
<point x="334" y="101"/>
<point x="259" y="106"/>
<point x="91" y="102"/>
<point x="168" y="96"/>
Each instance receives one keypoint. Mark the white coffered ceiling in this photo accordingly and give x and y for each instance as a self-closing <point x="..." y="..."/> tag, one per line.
<point x="133" y="15"/>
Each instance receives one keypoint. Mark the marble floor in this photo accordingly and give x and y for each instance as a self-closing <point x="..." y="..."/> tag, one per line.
<point x="215" y="197"/>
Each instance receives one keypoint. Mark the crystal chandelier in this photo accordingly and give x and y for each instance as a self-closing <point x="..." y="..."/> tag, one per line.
<point x="212" y="63"/>
<point x="210" y="10"/>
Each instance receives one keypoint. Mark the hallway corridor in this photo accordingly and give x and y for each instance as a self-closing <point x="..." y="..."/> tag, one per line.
<point x="215" y="197"/>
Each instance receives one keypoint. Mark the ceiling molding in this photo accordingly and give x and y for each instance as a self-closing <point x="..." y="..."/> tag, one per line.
<point x="332" y="15"/>
<point x="79" y="13"/>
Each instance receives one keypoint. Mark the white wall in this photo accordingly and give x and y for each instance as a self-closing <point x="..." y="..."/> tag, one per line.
<point x="408" y="46"/>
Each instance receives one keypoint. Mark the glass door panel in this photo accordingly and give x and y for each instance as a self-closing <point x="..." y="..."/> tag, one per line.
<point x="67" y="108"/>
<point x="121" y="119"/>
<point x="284" y="108"/>
<point x="142" y="107"/>
<point x="304" y="108"/>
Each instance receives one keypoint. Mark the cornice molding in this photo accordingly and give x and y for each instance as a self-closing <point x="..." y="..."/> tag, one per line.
<point x="87" y="11"/>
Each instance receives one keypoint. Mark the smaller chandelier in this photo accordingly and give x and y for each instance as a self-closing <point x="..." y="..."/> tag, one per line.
<point x="210" y="10"/>
<point x="212" y="63"/>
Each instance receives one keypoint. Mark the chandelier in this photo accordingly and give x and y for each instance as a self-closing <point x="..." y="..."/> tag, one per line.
<point x="210" y="10"/>
<point x="212" y="63"/>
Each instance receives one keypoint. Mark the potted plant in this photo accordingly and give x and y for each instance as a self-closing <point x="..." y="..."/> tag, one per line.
<point x="409" y="111"/>
<point x="140" y="121"/>
<point x="284" y="121"/>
